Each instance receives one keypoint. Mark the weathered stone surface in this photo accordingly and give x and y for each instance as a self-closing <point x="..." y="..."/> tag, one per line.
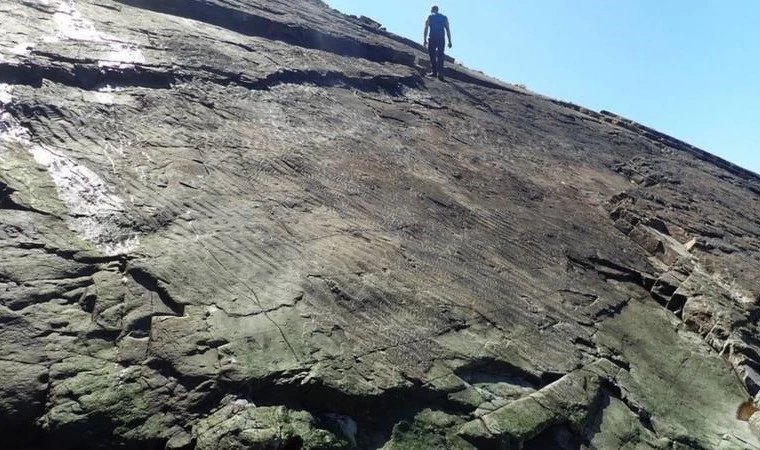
<point x="247" y="224"/>
<point x="240" y="425"/>
<point x="567" y="402"/>
<point x="668" y="390"/>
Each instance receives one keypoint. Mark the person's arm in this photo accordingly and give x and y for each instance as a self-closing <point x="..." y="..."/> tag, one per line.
<point x="448" y="31"/>
<point x="427" y="27"/>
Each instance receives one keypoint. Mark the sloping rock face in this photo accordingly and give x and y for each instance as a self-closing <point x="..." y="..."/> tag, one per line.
<point x="240" y="224"/>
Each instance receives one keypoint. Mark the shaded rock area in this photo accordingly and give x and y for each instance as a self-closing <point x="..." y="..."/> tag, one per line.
<point x="256" y="225"/>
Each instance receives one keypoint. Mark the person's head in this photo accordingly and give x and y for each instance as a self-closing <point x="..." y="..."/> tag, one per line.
<point x="434" y="9"/>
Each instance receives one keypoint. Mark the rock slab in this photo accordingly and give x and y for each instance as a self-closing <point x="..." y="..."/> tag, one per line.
<point x="255" y="224"/>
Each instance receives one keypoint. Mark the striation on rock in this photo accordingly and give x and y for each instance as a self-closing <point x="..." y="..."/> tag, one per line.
<point x="247" y="224"/>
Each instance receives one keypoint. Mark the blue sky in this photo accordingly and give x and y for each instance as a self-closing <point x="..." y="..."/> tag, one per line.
<point x="689" y="68"/>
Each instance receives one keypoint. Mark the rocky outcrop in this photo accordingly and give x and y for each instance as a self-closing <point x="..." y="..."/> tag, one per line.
<point x="248" y="224"/>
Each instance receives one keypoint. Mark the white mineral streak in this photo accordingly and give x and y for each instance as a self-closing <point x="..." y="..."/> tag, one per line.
<point x="10" y="130"/>
<point x="104" y="98"/>
<point x="123" y="56"/>
<point x="94" y="213"/>
<point x="71" y="25"/>
<point x="22" y="49"/>
<point x="93" y="209"/>
<point x="5" y="94"/>
<point x="109" y="89"/>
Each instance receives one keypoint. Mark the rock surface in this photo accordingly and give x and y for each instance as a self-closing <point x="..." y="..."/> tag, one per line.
<point x="254" y="224"/>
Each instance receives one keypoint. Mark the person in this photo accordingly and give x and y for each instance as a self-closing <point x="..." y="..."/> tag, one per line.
<point x="437" y="24"/>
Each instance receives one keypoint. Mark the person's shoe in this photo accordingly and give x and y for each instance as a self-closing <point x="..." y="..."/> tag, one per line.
<point x="440" y="77"/>
<point x="432" y="75"/>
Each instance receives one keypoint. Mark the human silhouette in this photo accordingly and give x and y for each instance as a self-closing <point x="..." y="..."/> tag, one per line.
<point x="438" y="26"/>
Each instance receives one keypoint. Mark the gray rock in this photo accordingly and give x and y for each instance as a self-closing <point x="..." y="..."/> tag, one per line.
<point x="257" y="225"/>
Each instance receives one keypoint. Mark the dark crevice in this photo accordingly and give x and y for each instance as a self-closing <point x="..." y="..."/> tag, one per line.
<point x="609" y="269"/>
<point x="614" y="309"/>
<point x="293" y="443"/>
<point x="37" y="297"/>
<point x="93" y="434"/>
<point x="615" y="271"/>
<point x="153" y="284"/>
<point x="91" y="77"/>
<point x="25" y="435"/>
<point x="191" y="383"/>
<point x="557" y="437"/>
<point x="664" y="290"/>
<point x="279" y="389"/>
<point x="87" y="302"/>
<point x="659" y="290"/>
<point x="86" y="76"/>
<point x="390" y="84"/>
<point x="618" y="360"/>
<point x="489" y="370"/>
<point x="139" y="328"/>
<point x="676" y="304"/>
<point x="77" y="255"/>
<point x="323" y="78"/>
<point x="7" y="202"/>
<point x="38" y="6"/>
<point x="375" y="415"/>
<point x="256" y="25"/>
<point x="658" y="224"/>
<point x="644" y="417"/>
<point x="548" y="378"/>
<point x="76" y="272"/>
<point x="595" y="423"/>
<point x="103" y="335"/>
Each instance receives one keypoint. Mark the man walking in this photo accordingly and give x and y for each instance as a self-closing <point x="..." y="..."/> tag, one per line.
<point x="437" y="24"/>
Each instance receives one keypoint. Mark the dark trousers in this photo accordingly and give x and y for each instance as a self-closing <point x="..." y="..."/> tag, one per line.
<point x="436" y="46"/>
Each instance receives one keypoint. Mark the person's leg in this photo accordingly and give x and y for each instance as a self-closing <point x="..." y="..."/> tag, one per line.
<point x="436" y="54"/>
<point x="432" y="51"/>
<point x="441" y="58"/>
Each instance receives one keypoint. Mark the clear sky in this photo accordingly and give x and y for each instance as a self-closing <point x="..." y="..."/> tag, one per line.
<point x="688" y="68"/>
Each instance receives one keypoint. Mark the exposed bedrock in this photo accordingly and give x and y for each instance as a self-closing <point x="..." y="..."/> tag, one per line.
<point x="250" y="225"/>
